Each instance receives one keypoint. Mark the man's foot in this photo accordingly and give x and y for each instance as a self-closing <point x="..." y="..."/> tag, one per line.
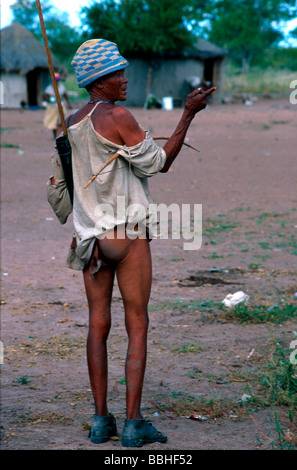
<point x="103" y="428"/>
<point x="137" y="432"/>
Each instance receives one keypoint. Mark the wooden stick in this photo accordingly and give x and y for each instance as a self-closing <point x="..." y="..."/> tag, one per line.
<point x="51" y="67"/>
<point x="113" y="157"/>
<point x="187" y="145"/>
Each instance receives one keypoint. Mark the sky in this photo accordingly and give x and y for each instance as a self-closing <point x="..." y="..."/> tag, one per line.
<point x="72" y="7"/>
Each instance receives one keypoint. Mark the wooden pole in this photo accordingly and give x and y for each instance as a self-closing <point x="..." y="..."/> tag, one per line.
<point x="51" y="67"/>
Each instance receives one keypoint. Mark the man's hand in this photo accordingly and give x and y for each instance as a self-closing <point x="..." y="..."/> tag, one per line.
<point x="197" y="100"/>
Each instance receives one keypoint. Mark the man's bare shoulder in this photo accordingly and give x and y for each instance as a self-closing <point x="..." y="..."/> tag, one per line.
<point x="120" y="112"/>
<point x="127" y="126"/>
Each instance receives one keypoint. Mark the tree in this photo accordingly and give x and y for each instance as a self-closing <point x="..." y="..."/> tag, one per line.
<point x="25" y="12"/>
<point x="142" y="27"/>
<point x="247" y="27"/>
<point x="63" y="39"/>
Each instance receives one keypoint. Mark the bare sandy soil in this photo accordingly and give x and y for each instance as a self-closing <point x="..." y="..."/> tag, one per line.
<point x="245" y="178"/>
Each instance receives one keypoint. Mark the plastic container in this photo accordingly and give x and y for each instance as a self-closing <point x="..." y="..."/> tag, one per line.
<point x="167" y="103"/>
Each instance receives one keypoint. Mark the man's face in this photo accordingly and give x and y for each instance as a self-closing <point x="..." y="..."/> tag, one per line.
<point x="115" y="86"/>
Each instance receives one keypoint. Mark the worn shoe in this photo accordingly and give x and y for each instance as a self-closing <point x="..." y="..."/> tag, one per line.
<point x="103" y="428"/>
<point x="137" y="432"/>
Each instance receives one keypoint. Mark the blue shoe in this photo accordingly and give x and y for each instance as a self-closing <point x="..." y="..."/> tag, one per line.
<point x="137" y="432"/>
<point x="103" y="428"/>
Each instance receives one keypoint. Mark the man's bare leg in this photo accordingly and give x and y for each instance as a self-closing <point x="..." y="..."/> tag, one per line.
<point x="132" y="261"/>
<point x="99" y="292"/>
<point x="134" y="274"/>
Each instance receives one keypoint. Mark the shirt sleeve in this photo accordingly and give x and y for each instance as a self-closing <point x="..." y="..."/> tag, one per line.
<point x="147" y="158"/>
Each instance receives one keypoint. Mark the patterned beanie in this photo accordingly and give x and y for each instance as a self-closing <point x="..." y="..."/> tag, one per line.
<point x="96" y="58"/>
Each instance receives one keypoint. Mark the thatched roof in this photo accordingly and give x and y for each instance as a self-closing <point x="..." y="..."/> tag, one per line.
<point x="21" y="51"/>
<point x="206" y="50"/>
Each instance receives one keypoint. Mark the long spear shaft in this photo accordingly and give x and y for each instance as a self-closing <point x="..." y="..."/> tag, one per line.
<point x="62" y="143"/>
<point x="51" y="67"/>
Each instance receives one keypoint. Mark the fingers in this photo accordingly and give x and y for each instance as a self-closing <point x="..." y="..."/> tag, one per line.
<point x="199" y="91"/>
<point x="210" y="91"/>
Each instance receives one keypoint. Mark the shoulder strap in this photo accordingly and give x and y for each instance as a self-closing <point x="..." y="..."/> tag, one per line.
<point x="91" y="112"/>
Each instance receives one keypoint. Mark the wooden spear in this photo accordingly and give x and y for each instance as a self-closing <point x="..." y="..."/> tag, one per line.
<point x="62" y="143"/>
<point x="51" y="67"/>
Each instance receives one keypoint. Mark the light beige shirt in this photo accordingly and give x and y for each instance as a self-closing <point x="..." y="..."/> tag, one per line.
<point x="119" y="195"/>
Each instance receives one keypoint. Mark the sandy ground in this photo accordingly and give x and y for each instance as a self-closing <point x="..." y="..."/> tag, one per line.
<point x="245" y="179"/>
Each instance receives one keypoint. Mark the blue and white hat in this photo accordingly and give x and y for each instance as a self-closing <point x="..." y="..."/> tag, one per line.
<point x="96" y="58"/>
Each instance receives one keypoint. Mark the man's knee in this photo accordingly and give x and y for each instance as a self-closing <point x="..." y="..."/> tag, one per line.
<point x="99" y="325"/>
<point x="137" y="320"/>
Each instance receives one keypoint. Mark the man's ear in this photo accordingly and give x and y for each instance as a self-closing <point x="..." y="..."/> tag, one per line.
<point x="99" y="83"/>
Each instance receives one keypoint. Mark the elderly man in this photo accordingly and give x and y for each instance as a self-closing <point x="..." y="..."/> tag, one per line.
<point x="103" y="247"/>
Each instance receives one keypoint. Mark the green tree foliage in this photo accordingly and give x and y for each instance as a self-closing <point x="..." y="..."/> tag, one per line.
<point x="63" y="39"/>
<point x="25" y="12"/>
<point x="142" y="27"/>
<point x="247" y="27"/>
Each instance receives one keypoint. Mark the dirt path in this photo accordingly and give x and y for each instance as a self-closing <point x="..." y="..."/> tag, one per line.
<point x="245" y="179"/>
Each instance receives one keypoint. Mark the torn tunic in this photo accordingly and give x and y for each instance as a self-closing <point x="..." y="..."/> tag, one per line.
<point x="119" y="195"/>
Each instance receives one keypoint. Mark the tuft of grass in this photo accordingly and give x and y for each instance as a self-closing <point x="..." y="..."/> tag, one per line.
<point x="185" y="405"/>
<point x="244" y="314"/>
<point x="192" y="305"/>
<point x="9" y="146"/>
<point x="261" y="314"/>
<point x="188" y="348"/>
<point x="279" y="379"/>
<point x="23" y="380"/>
<point x="275" y="385"/>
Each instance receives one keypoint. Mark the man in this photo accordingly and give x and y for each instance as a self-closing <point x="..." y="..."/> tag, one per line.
<point x="103" y="248"/>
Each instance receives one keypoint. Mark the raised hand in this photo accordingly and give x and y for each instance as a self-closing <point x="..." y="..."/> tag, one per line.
<point x="197" y="100"/>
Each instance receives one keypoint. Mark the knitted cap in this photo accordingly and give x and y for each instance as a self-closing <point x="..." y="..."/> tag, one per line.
<point x="96" y="58"/>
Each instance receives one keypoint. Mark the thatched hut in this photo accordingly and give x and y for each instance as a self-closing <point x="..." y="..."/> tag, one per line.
<point x="24" y="72"/>
<point x="176" y="76"/>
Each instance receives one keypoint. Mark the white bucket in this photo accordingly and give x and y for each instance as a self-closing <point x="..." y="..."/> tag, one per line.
<point x="167" y="102"/>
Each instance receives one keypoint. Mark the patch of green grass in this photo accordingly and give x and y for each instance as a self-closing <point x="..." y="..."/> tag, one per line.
<point x="214" y="226"/>
<point x="9" y="146"/>
<point x="254" y="266"/>
<point x="261" y="314"/>
<point x="241" y="313"/>
<point x="183" y="404"/>
<point x="265" y="246"/>
<point x="262" y="217"/>
<point x="5" y="129"/>
<point x="272" y="384"/>
<point x="279" y="378"/>
<point x="213" y="255"/>
<point x="280" y="122"/>
<point x="202" y="306"/>
<point x="188" y="348"/>
<point x="23" y="380"/>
